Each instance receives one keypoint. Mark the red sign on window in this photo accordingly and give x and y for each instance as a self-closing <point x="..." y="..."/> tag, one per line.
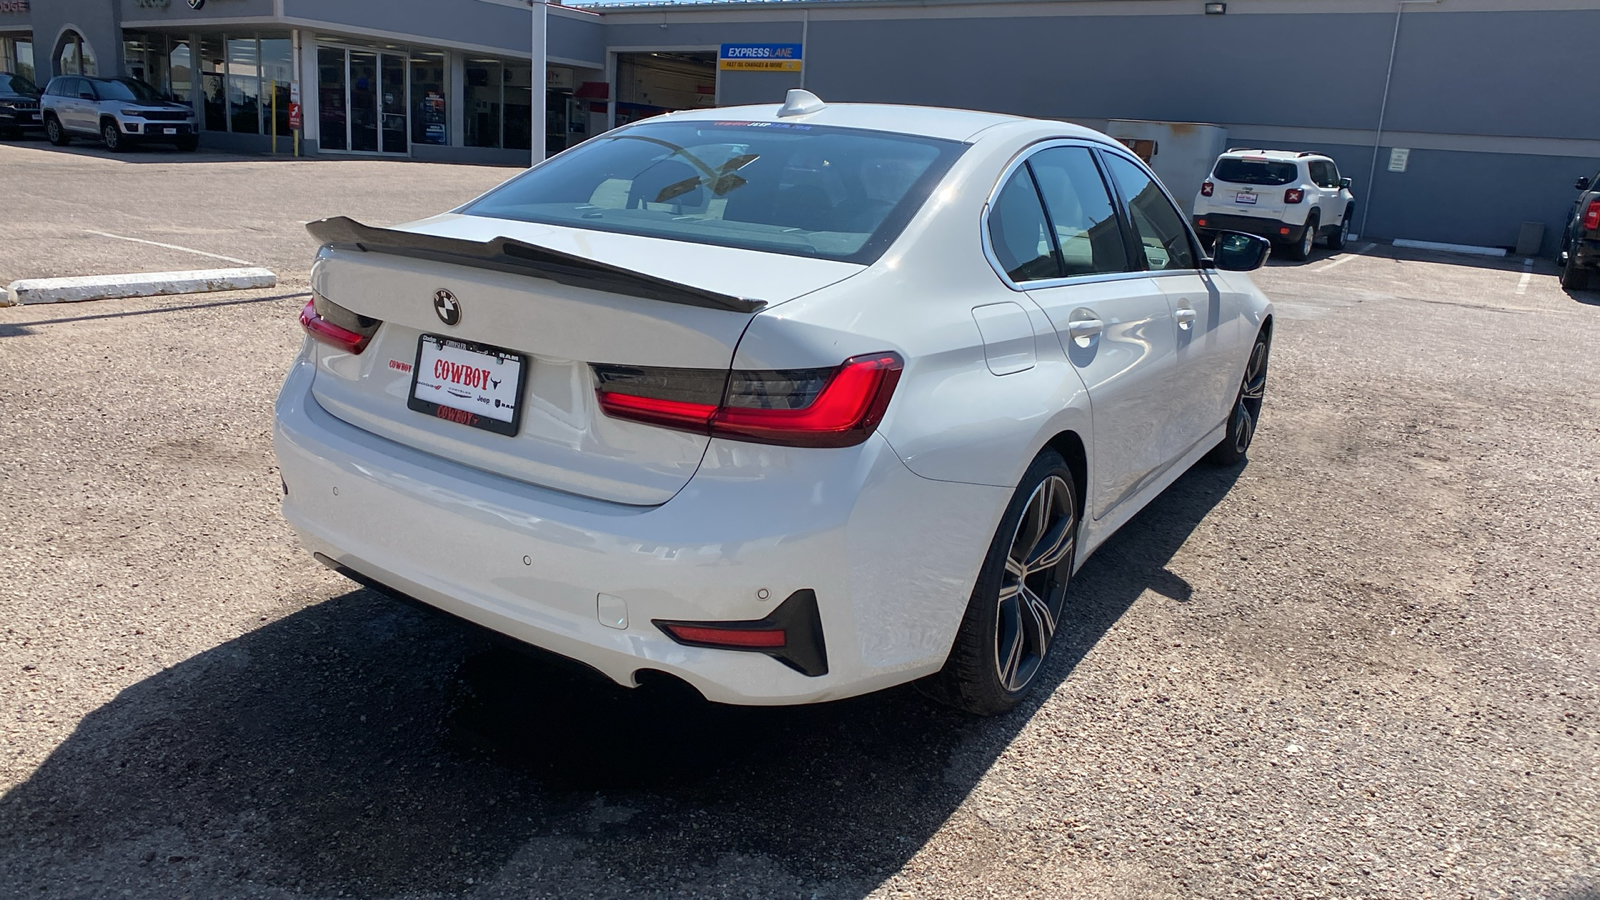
<point x="294" y="117"/>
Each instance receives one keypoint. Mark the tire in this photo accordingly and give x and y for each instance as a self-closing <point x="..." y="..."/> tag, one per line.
<point x="188" y="143"/>
<point x="1246" y="414"/>
<point x="1573" y="276"/>
<point x="57" y="135"/>
<point x="1300" y="251"/>
<point x="112" y="135"/>
<point x="1011" y="618"/>
<point x="1341" y="235"/>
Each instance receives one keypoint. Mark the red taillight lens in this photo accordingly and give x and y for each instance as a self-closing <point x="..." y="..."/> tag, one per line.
<point x="1294" y="195"/>
<point x="323" y="329"/>
<point x="1206" y="188"/>
<point x="764" y="639"/>
<point x="1591" y="216"/>
<point x="1201" y="223"/>
<point x="837" y="407"/>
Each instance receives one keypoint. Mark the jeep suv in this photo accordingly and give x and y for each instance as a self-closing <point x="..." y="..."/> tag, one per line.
<point x="1580" y="242"/>
<point x="19" y="105"/>
<point x="1286" y="197"/>
<point x="119" y="111"/>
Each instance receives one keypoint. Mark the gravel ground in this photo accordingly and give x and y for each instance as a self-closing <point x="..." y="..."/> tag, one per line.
<point x="1361" y="665"/>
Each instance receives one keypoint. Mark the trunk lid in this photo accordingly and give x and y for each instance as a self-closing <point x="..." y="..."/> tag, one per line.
<point x="595" y="298"/>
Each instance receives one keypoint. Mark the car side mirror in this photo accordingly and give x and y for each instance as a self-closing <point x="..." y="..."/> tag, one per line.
<point x="1345" y="183"/>
<point x="1238" y="252"/>
<point x="1582" y="183"/>
<point x="86" y="95"/>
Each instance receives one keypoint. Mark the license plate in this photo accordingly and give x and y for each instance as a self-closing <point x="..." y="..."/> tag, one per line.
<point x="1244" y="197"/>
<point x="169" y="131"/>
<point x="470" y="384"/>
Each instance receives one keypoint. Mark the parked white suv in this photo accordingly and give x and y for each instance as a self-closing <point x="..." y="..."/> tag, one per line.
<point x="1287" y="197"/>
<point x="119" y="111"/>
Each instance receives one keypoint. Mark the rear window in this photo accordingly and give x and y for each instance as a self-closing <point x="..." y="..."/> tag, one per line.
<point x="802" y="190"/>
<point x="1255" y="171"/>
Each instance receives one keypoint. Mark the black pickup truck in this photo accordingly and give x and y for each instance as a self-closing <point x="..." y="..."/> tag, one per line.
<point x="1580" y="243"/>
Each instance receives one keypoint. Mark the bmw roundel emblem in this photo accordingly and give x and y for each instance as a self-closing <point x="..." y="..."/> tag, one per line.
<point x="447" y="306"/>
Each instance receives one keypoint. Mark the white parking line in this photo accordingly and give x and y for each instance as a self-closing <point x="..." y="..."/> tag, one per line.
<point x="1527" y="276"/>
<point x="1345" y="258"/>
<point x="242" y="262"/>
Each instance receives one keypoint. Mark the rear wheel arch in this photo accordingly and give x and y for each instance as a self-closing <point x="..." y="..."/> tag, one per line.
<point x="1071" y="448"/>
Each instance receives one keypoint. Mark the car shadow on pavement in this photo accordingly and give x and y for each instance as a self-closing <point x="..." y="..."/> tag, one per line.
<point x="358" y="746"/>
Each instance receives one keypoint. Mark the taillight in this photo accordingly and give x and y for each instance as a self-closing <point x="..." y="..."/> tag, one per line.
<point x="833" y="407"/>
<point x="1591" y="216"/>
<point x="732" y="638"/>
<point x="336" y="326"/>
<point x="1294" y="195"/>
<point x="1206" y="188"/>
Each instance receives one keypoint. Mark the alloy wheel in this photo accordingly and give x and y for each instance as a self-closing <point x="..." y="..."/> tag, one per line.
<point x="111" y="136"/>
<point x="53" y="131"/>
<point x="1309" y="240"/>
<point x="1251" y="392"/>
<point x="1035" y="582"/>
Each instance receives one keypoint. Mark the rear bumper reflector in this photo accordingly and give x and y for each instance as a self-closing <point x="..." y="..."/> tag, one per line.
<point x="790" y="634"/>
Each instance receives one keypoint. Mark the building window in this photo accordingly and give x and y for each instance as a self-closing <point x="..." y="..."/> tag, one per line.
<point x="180" y="69"/>
<point x="212" y="68"/>
<point x="277" y="73"/>
<point x="429" y="122"/>
<point x="244" y="86"/>
<point x="482" y="96"/>
<point x="519" y="107"/>
<point x="16" y="57"/>
<point x="330" y="98"/>
<point x="75" y="57"/>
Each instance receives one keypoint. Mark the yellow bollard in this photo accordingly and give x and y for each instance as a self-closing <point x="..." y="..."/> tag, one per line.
<point x="274" y="117"/>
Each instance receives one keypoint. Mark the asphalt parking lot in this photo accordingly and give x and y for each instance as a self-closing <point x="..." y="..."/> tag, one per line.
<point x="1362" y="665"/>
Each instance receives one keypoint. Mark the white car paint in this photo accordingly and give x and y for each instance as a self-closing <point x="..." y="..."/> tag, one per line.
<point x="524" y="535"/>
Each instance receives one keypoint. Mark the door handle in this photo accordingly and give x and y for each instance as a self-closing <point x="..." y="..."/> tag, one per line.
<point x="1185" y="317"/>
<point x="1084" y="330"/>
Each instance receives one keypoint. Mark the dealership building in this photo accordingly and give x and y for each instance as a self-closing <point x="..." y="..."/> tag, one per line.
<point x="1452" y="116"/>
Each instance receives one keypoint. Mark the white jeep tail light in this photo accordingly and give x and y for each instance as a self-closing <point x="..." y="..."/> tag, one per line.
<point x="832" y="407"/>
<point x="1206" y="188"/>
<point x="1294" y="195"/>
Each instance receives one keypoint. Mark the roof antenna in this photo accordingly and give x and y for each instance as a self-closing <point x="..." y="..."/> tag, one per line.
<point x="800" y="103"/>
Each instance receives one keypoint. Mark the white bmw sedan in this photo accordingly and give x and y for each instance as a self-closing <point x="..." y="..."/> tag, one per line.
<point x="789" y="402"/>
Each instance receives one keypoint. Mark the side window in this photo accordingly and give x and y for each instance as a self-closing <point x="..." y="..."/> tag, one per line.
<point x="1075" y="196"/>
<point x="1157" y="222"/>
<point x="1319" y="174"/>
<point x="1018" y="231"/>
<point x="1332" y="171"/>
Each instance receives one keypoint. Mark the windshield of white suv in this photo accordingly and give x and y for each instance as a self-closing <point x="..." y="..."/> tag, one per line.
<point x="803" y="190"/>
<point x="127" y="89"/>
<point x="1255" y="171"/>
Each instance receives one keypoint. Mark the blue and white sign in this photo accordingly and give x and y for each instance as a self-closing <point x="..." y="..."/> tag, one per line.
<point x="760" y="57"/>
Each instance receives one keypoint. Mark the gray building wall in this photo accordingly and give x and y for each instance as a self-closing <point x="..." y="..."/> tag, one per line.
<point x="505" y="28"/>
<point x="96" y="20"/>
<point x="1474" y="94"/>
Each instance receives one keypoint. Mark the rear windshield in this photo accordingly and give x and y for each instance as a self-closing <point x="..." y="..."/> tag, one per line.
<point x="1255" y="171"/>
<point x="16" y="84"/>
<point x="803" y="190"/>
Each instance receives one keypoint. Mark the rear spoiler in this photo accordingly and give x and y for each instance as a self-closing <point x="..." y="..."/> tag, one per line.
<point x="506" y="255"/>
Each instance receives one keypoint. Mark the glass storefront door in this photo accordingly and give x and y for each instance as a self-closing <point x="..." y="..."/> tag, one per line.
<point x="362" y="97"/>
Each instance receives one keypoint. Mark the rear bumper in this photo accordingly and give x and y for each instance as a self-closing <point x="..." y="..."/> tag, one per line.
<point x="1271" y="229"/>
<point x="891" y="556"/>
<point x="1584" y="252"/>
